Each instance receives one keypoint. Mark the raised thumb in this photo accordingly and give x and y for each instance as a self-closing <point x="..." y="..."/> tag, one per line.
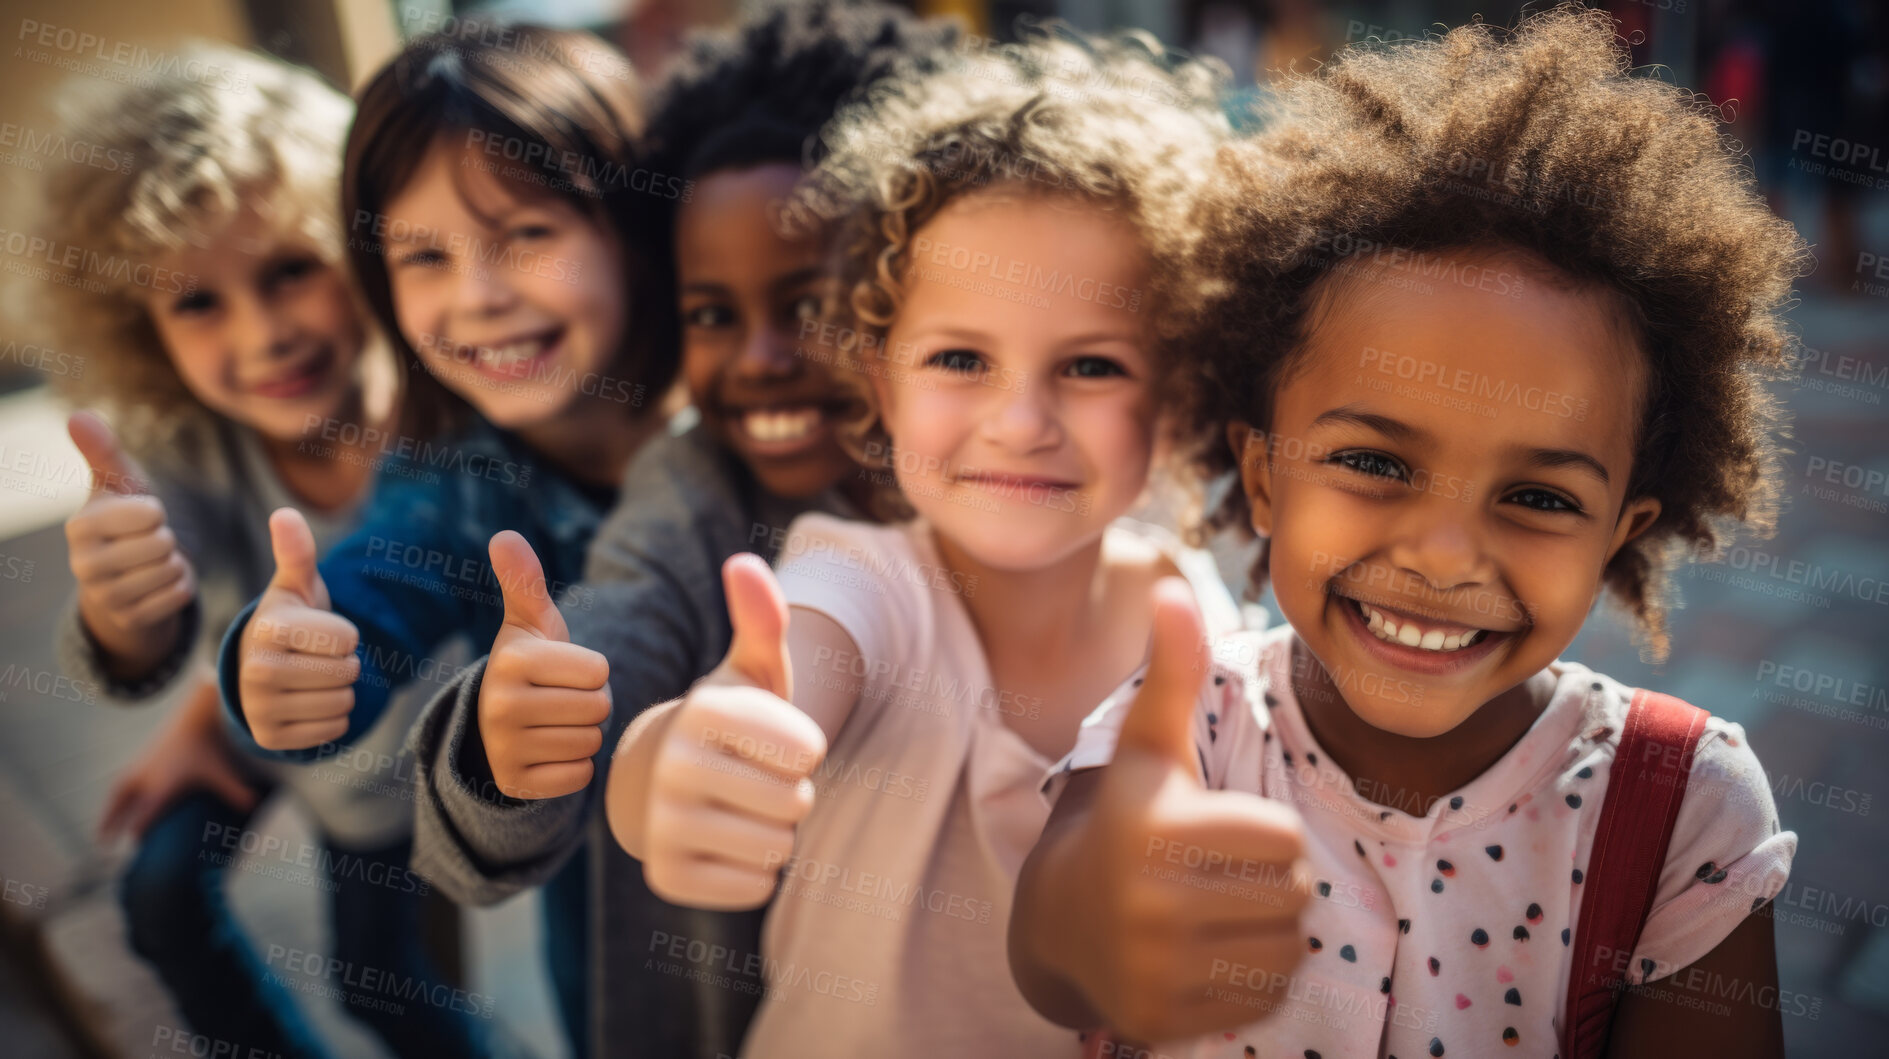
<point x="112" y="470"/>
<point x="758" y="613"/>
<point x="294" y="546"/>
<point x="1161" y="720"/>
<point x="520" y="576"/>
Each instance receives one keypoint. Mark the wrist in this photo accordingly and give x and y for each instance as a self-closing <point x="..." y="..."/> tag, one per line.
<point x="130" y="655"/>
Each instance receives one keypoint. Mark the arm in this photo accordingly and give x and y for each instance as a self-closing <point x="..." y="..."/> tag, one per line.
<point x="1681" y="1013"/>
<point x="322" y="649"/>
<point x="189" y="752"/>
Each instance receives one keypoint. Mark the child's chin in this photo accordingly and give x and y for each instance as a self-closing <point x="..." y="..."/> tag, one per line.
<point x="520" y="410"/>
<point x="1411" y="720"/>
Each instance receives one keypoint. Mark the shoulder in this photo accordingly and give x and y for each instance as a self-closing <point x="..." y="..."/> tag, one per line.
<point x="1725" y="779"/>
<point x="681" y="496"/>
<point x="885" y="559"/>
<point x="882" y="584"/>
<point x="1728" y="853"/>
<point x="685" y="470"/>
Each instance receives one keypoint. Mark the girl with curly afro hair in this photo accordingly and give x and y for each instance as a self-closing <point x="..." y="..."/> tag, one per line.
<point x="1485" y="323"/>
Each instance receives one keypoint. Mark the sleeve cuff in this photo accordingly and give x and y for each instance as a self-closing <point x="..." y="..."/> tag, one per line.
<point x="82" y="658"/>
<point x="1684" y="930"/>
<point x="477" y="845"/>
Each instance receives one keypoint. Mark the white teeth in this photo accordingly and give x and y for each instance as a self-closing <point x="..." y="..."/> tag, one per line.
<point x="1410" y="636"/>
<point x="782" y="425"/>
<point x="510" y="354"/>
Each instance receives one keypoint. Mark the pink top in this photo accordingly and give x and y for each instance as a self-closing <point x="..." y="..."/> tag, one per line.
<point x="887" y="935"/>
<point x="1449" y="933"/>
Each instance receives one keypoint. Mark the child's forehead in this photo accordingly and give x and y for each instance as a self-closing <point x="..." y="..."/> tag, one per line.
<point x="1469" y="347"/>
<point x="257" y="229"/>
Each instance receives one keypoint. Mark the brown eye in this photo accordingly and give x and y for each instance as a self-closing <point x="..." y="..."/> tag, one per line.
<point x="1095" y="368"/>
<point x="708" y="316"/>
<point x="962" y="361"/>
<point x="193" y="303"/>
<point x="1372" y="464"/>
<point x="1544" y="500"/>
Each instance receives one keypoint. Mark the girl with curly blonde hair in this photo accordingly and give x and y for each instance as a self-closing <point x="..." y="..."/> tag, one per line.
<point x="1011" y="226"/>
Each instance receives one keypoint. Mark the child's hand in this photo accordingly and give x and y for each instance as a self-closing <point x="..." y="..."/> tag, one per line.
<point x="133" y="580"/>
<point x="731" y="780"/>
<point x="543" y="698"/>
<point x="190" y="753"/>
<point x="297" y="669"/>
<point x="1145" y="948"/>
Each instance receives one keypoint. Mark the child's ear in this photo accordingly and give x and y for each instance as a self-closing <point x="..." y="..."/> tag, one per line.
<point x="1636" y="517"/>
<point x="1249" y="453"/>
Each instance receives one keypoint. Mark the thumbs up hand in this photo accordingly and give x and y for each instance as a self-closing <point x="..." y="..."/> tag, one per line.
<point x="1169" y="885"/>
<point x="134" y="582"/>
<point x="297" y="666"/>
<point x="543" y="699"/>
<point x="733" y="776"/>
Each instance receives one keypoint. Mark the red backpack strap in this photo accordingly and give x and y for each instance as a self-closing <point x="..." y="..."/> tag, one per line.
<point x="1644" y="792"/>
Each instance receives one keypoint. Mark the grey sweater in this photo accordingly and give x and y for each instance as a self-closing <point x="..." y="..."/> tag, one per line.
<point x="218" y="488"/>
<point x="651" y="602"/>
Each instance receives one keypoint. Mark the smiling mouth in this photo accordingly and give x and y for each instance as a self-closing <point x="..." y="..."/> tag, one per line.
<point x="779" y="429"/>
<point x="510" y="358"/>
<point x="1417" y="632"/>
<point x="298" y="381"/>
<point x="1011" y="482"/>
<point x="780" y="424"/>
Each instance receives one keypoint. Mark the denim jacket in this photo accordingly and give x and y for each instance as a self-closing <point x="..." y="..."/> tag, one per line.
<point x="416" y="574"/>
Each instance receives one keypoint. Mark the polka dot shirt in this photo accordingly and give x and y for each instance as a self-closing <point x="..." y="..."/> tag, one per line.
<point x="1450" y="932"/>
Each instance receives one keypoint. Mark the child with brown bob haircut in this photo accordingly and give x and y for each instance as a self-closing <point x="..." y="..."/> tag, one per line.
<point x="1488" y="335"/>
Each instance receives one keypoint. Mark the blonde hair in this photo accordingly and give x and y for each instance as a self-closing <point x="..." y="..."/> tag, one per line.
<point x="190" y="156"/>
<point x="1117" y="122"/>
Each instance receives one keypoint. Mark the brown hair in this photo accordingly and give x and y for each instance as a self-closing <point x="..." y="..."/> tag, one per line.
<point x="1120" y="122"/>
<point x="1539" y="141"/>
<point x="573" y="106"/>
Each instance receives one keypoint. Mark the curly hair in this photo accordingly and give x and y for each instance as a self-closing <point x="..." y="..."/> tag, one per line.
<point x="1537" y="140"/>
<point x="761" y="91"/>
<point x="190" y="155"/>
<point x="1120" y="123"/>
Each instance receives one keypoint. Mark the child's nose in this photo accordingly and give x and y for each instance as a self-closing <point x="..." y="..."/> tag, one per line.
<point x="484" y="291"/>
<point x="1440" y="546"/>
<point x="1025" y="419"/>
<point x="766" y="354"/>
<point x="258" y="330"/>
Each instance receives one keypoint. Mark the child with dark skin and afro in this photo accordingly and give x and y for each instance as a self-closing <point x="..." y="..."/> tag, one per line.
<point x="505" y="799"/>
<point x="1488" y="332"/>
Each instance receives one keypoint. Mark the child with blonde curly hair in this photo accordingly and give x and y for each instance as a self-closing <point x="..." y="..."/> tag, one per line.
<point x="1011" y="225"/>
<point x="1487" y="336"/>
<point x="202" y="287"/>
